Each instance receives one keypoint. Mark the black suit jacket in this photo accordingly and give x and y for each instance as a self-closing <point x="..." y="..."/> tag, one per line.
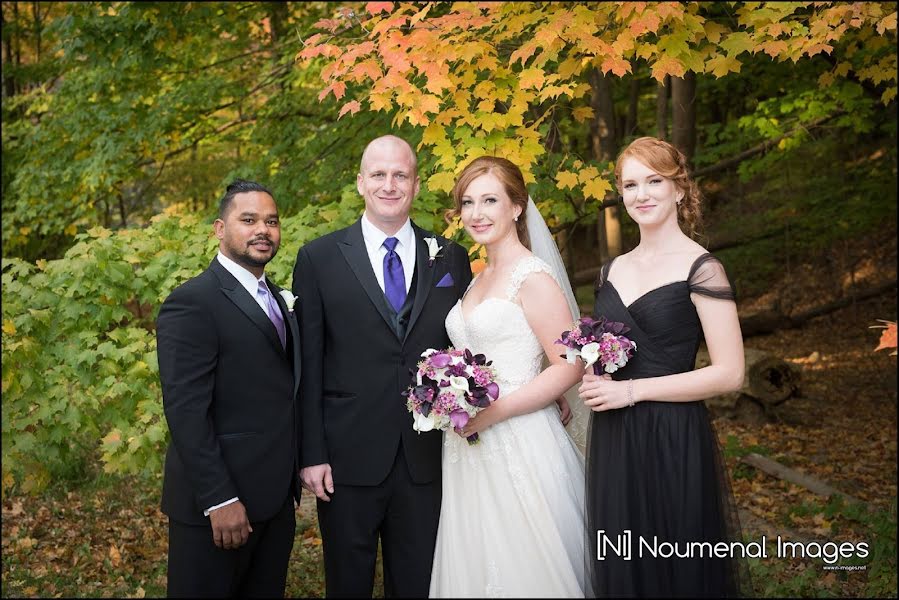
<point x="229" y="390"/>
<point x="355" y="366"/>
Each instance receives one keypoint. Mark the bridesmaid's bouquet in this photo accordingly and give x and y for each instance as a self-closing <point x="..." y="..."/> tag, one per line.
<point x="599" y="343"/>
<point x="449" y="387"/>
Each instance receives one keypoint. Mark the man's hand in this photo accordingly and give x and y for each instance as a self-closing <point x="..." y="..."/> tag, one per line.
<point x="230" y="527"/>
<point x="564" y="410"/>
<point x="317" y="479"/>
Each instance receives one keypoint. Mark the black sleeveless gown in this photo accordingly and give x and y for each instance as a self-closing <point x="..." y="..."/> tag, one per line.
<point x="656" y="468"/>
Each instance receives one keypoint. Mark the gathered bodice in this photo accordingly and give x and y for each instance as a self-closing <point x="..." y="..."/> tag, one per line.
<point x="498" y="328"/>
<point x="664" y="322"/>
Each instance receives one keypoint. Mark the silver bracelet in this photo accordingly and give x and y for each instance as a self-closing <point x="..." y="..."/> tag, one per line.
<point x="630" y="392"/>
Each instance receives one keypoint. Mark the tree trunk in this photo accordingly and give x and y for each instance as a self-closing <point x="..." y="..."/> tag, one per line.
<point x="633" y="98"/>
<point x="122" y="212"/>
<point x="278" y="13"/>
<point x="194" y="201"/>
<point x="605" y="141"/>
<point x="17" y="35"/>
<point x="9" y="83"/>
<point x="602" y="128"/>
<point x="683" y="114"/>
<point x="107" y="213"/>
<point x="662" y="90"/>
<point x="38" y="27"/>
<point x="613" y="231"/>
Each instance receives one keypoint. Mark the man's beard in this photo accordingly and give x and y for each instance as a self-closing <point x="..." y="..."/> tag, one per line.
<point x="244" y="257"/>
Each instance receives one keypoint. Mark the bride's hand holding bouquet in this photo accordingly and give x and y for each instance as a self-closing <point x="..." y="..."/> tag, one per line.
<point x="450" y="389"/>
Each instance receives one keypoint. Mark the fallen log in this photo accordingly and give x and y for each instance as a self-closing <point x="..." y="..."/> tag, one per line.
<point x="769" y="380"/>
<point x="776" y="469"/>
<point x="769" y="321"/>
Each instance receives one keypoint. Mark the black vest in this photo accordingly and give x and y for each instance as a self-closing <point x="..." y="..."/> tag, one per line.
<point x="400" y="320"/>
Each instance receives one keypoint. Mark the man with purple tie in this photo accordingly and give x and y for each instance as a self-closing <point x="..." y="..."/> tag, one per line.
<point x="372" y="298"/>
<point x="228" y="344"/>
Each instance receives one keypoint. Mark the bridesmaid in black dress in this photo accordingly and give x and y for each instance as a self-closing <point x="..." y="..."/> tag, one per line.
<point x="654" y="466"/>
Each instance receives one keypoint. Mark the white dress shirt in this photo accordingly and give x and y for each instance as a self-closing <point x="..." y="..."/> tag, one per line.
<point x="251" y="284"/>
<point x="247" y="280"/>
<point x="405" y="248"/>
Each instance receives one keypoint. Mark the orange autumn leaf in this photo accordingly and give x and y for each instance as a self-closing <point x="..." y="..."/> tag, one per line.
<point x="616" y="65"/>
<point x="338" y="88"/>
<point x="888" y="337"/>
<point x="350" y="107"/>
<point x="667" y="66"/>
<point x="374" y="8"/>
<point x="115" y="557"/>
<point x="648" y="21"/>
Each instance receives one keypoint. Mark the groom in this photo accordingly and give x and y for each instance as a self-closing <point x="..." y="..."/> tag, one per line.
<point x="373" y="297"/>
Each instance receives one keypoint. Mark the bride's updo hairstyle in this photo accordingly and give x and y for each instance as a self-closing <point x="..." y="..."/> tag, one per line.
<point x="669" y="162"/>
<point x="513" y="183"/>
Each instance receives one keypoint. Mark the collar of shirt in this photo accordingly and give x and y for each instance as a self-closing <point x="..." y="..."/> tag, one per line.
<point x="374" y="244"/>
<point x="246" y="279"/>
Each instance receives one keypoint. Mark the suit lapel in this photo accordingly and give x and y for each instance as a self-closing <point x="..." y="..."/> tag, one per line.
<point x="291" y="320"/>
<point x="356" y="255"/>
<point x="246" y="303"/>
<point x="425" y="276"/>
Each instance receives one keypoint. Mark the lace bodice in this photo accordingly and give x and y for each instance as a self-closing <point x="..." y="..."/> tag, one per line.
<point x="497" y="328"/>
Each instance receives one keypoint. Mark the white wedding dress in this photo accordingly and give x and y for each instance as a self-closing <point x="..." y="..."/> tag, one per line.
<point x="512" y="515"/>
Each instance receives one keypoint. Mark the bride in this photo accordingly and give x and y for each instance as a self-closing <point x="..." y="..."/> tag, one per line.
<point x="512" y="515"/>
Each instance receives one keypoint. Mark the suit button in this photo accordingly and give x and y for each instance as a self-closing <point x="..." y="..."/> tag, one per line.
<point x="403" y="321"/>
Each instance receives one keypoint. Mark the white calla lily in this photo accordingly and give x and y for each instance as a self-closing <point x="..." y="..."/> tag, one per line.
<point x="433" y="249"/>
<point x="459" y="383"/>
<point x="421" y="423"/>
<point x="289" y="299"/>
<point x="590" y="353"/>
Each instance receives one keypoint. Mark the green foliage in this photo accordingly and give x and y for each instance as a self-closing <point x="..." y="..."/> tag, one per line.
<point x="151" y="105"/>
<point x="79" y="354"/>
<point x="808" y="199"/>
<point x="734" y="449"/>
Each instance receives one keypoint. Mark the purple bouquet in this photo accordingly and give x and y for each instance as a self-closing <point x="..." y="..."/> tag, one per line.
<point x="599" y="343"/>
<point x="449" y="387"/>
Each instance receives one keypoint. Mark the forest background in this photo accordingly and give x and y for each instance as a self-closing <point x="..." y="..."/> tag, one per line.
<point x="123" y="122"/>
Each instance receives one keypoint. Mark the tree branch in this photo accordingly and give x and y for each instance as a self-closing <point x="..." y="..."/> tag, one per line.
<point x="760" y="148"/>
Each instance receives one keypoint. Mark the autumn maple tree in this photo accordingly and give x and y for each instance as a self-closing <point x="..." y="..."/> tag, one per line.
<point x="485" y="77"/>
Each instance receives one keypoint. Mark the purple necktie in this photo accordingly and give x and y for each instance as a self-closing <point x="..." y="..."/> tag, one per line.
<point x="274" y="313"/>
<point x="394" y="279"/>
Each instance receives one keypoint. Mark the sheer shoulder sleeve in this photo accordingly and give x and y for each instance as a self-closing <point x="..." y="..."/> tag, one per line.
<point x="708" y="278"/>
<point x="603" y="275"/>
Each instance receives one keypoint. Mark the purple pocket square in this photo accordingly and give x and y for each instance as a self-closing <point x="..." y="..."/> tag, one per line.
<point x="446" y="281"/>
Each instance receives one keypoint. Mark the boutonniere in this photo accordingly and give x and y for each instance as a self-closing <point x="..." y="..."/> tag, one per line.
<point x="433" y="250"/>
<point x="289" y="299"/>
